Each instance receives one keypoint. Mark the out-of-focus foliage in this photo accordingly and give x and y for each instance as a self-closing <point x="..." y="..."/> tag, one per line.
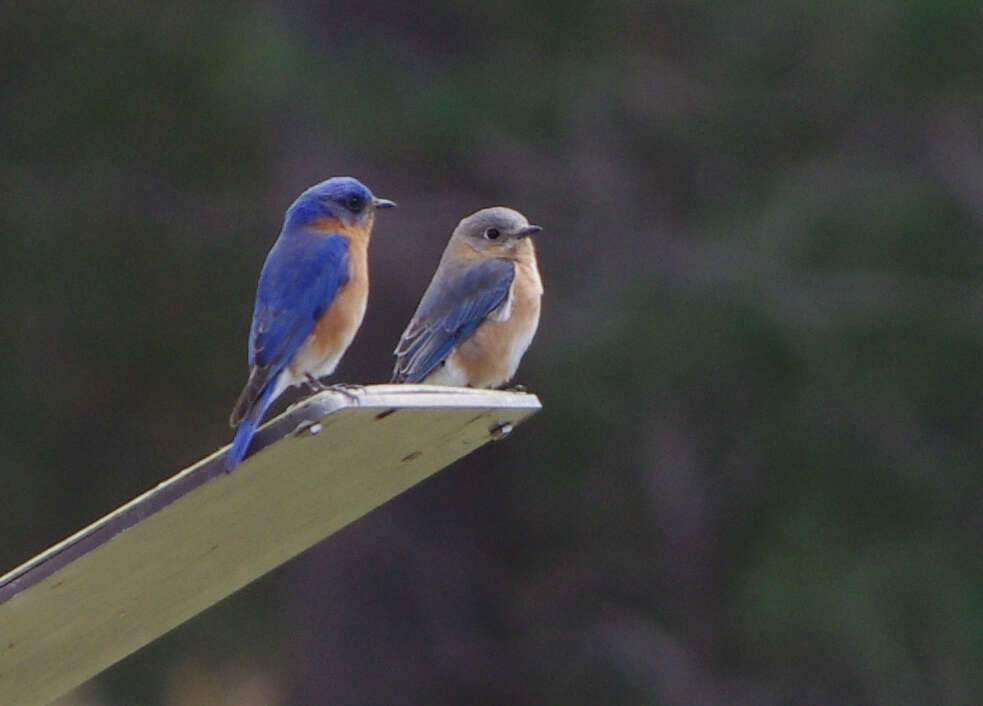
<point x="757" y="479"/>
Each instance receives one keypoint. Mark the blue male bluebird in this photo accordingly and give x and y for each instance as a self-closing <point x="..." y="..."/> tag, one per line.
<point x="310" y="299"/>
<point x="481" y="310"/>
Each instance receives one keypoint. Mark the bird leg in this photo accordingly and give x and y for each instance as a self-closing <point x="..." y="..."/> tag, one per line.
<point x="315" y="384"/>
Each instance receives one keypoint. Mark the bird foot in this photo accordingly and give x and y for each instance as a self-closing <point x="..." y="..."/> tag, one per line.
<point x="346" y="389"/>
<point x="342" y="388"/>
<point x="314" y="384"/>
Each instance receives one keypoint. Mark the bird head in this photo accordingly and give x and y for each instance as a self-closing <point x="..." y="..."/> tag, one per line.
<point x="496" y="231"/>
<point x="344" y="199"/>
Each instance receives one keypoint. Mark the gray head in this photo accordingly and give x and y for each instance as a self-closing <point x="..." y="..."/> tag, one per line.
<point x="496" y="231"/>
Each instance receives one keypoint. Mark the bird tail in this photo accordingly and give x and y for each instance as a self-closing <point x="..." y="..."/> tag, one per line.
<point x="248" y="422"/>
<point x="249" y="398"/>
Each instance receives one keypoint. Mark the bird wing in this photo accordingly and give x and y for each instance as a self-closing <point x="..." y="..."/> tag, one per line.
<point x="450" y="311"/>
<point x="299" y="281"/>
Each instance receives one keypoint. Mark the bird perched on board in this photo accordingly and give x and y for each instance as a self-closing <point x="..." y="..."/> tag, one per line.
<point x="310" y="299"/>
<point x="481" y="310"/>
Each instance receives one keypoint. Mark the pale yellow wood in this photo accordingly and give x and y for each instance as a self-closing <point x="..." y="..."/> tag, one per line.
<point x="207" y="543"/>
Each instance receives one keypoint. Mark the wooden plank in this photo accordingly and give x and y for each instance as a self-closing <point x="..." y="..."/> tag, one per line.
<point x="155" y="562"/>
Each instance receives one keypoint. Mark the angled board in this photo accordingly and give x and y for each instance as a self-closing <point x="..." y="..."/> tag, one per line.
<point x="167" y="555"/>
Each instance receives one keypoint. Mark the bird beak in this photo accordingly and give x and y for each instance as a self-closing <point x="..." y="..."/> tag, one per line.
<point x="527" y="231"/>
<point x="383" y="203"/>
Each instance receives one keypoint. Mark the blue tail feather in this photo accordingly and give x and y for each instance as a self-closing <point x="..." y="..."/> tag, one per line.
<point x="246" y="429"/>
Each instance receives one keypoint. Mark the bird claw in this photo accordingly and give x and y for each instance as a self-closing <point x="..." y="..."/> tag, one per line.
<point x="346" y="386"/>
<point x="516" y="388"/>
<point x="346" y="389"/>
<point x="342" y="388"/>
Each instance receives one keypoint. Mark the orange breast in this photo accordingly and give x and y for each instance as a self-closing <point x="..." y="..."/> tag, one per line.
<point x="326" y="225"/>
<point x="491" y="355"/>
<point x="334" y="332"/>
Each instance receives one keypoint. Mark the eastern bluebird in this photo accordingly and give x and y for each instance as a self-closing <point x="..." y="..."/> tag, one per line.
<point x="481" y="310"/>
<point x="310" y="299"/>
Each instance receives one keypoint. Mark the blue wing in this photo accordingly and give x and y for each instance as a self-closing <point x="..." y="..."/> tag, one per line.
<point x="450" y="311"/>
<point x="300" y="279"/>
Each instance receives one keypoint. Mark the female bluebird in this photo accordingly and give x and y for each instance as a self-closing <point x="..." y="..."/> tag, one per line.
<point x="310" y="299"/>
<point x="481" y="310"/>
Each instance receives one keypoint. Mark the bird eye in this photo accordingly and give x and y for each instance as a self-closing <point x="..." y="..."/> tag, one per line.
<point x="492" y="233"/>
<point x="355" y="204"/>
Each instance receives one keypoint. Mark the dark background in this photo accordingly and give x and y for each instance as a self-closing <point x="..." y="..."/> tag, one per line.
<point x="757" y="476"/>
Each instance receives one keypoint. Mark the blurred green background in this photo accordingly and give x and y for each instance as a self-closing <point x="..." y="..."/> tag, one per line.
<point x="757" y="477"/>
